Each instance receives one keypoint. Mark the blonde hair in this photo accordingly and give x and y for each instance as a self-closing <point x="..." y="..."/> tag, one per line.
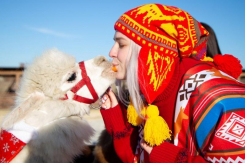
<point x="132" y="83"/>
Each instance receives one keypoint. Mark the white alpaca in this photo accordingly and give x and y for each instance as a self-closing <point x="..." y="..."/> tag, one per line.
<point x="47" y="116"/>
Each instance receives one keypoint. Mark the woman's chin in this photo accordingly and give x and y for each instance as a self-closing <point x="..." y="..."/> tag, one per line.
<point x="120" y="76"/>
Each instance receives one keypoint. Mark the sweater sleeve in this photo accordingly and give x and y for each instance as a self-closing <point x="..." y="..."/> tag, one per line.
<point x="124" y="134"/>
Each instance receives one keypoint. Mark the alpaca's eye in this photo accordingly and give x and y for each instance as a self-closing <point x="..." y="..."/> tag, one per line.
<point x="72" y="77"/>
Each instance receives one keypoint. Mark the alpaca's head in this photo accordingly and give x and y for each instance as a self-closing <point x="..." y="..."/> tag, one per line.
<point x="55" y="73"/>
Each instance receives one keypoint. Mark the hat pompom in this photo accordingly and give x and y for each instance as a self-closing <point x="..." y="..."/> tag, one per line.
<point x="156" y="129"/>
<point x="228" y="64"/>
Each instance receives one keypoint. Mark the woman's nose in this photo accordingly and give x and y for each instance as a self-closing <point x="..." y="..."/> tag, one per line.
<point x="113" y="52"/>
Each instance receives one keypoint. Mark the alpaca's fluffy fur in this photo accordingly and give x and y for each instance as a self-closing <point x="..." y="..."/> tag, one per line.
<point x="61" y="133"/>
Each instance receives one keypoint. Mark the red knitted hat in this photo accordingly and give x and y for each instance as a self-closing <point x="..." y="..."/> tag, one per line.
<point x="164" y="33"/>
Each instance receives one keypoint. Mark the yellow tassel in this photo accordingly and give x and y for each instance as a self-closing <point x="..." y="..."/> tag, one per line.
<point x="156" y="129"/>
<point x="133" y="116"/>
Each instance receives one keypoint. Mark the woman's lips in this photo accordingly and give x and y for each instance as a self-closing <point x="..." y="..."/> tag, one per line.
<point x="114" y="64"/>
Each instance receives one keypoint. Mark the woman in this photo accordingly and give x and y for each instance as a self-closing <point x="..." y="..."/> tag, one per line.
<point x="161" y="53"/>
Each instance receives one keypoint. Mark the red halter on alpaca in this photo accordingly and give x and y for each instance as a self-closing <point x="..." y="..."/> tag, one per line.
<point x="85" y="81"/>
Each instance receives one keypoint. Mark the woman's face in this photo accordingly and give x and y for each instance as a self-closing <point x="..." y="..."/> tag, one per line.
<point x="119" y="53"/>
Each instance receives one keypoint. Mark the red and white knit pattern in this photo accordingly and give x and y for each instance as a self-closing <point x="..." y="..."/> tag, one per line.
<point x="14" y="139"/>
<point x="10" y="146"/>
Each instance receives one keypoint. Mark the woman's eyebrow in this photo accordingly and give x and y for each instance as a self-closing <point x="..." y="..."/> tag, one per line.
<point x="118" y="38"/>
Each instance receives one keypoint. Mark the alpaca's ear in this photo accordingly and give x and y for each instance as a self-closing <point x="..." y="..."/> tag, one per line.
<point x="18" y="113"/>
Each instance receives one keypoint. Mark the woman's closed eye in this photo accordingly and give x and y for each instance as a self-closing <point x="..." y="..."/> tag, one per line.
<point x="121" y="45"/>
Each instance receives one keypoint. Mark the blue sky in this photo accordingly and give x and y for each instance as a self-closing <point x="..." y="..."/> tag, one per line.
<point x="84" y="29"/>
